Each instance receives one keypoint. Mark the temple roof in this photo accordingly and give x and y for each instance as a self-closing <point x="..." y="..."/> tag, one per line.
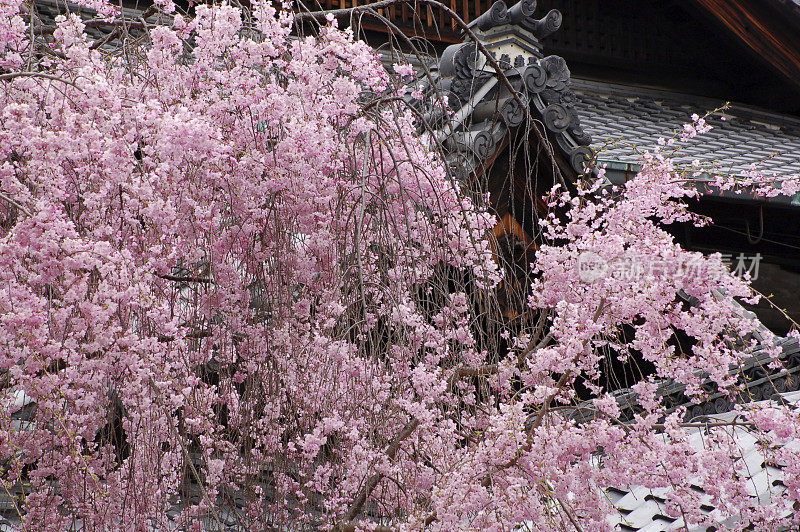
<point x="631" y="117"/>
<point x="642" y="509"/>
<point x="577" y="114"/>
<point x="758" y="381"/>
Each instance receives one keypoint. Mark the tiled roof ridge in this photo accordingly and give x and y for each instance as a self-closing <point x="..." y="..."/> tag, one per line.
<point x="620" y="117"/>
<point x="758" y="380"/>
<point x="484" y="107"/>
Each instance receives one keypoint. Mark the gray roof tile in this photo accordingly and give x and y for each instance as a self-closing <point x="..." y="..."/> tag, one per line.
<point x="641" y="509"/>
<point x="634" y="116"/>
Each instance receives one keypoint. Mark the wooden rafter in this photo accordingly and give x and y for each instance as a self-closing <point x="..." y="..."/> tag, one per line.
<point x="772" y="37"/>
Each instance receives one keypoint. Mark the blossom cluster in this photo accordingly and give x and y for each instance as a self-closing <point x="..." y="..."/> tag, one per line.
<point x="211" y="262"/>
<point x="236" y="284"/>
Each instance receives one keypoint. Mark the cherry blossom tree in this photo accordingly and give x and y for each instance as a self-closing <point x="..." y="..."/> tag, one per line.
<point x="236" y="286"/>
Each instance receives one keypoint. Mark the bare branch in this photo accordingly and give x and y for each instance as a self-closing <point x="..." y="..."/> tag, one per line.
<point x="369" y="485"/>
<point x="12" y="75"/>
<point x="460" y="373"/>
<point x="187" y="279"/>
<point x="15" y="204"/>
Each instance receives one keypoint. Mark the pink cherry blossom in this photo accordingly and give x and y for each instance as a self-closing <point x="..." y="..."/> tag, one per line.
<point x="235" y="283"/>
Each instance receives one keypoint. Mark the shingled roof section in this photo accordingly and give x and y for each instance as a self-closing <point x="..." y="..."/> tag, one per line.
<point x="620" y="118"/>
<point x="642" y="509"/>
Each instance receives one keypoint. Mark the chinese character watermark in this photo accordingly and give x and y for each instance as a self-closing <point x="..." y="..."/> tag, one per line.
<point x="745" y="264"/>
<point x="593" y="267"/>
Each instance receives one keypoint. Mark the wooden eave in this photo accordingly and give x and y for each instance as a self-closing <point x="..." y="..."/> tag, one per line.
<point x="772" y="35"/>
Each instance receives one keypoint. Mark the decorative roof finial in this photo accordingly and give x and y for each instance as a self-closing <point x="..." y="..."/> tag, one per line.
<point x="485" y="110"/>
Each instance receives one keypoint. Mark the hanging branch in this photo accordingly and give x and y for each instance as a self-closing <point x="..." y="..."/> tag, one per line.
<point x="541" y="136"/>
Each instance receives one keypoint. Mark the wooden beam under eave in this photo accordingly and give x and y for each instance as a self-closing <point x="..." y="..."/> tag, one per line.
<point x="437" y="34"/>
<point x="762" y="30"/>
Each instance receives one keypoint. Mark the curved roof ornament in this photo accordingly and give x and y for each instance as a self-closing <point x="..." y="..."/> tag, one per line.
<point x="480" y="111"/>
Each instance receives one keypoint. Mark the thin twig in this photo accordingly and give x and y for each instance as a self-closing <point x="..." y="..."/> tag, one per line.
<point x="15" y="204"/>
<point x="12" y="75"/>
<point x="372" y="482"/>
<point x="460" y="373"/>
<point x="187" y="279"/>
